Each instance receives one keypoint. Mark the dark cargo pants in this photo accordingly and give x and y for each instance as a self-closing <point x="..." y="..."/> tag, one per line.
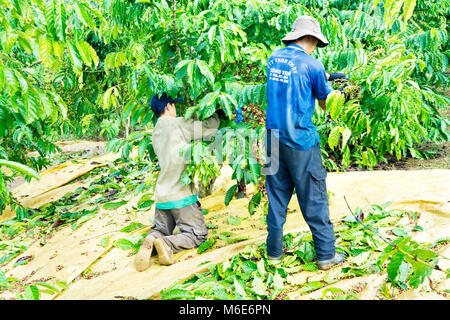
<point x="188" y="219"/>
<point x="304" y="171"/>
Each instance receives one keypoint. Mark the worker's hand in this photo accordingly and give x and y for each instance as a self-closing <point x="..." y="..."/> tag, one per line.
<point x="337" y="75"/>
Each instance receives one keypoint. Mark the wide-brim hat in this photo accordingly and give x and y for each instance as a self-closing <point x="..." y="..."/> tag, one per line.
<point x="304" y="26"/>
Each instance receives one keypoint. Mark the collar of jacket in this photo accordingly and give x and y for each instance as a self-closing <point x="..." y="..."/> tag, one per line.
<point x="297" y="47"/>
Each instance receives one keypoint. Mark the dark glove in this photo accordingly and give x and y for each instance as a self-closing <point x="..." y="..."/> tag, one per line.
<point x="337" y="75"/>
<point x="221" y="114"/>
<point x="346" y="95"/>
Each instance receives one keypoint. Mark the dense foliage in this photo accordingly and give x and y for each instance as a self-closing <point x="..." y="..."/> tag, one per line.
<point x="89" y="68"/>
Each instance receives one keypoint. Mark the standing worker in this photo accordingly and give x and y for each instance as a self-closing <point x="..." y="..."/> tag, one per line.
<point x="294" y="80"/>
<point x="176" y="204"/>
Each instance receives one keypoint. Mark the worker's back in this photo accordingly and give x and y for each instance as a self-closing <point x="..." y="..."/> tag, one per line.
<point x="168" y="138"/>
<point x="294" y="81"/>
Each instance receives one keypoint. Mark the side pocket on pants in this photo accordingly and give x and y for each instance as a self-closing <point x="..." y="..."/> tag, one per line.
<point x="319" y="186"/>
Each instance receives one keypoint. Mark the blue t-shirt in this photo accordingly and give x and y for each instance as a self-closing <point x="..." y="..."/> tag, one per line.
<point x="294" y="81"/>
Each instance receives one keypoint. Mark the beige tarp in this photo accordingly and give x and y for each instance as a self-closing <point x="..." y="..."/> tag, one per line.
<point x="53" y="182"/>
<point x="95" y="272"/>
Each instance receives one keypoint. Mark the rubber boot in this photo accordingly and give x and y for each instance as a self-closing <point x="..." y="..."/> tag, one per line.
<point x="142" y="259"/>
<point x="327" y="264"/>
<point x="165" y="254"/>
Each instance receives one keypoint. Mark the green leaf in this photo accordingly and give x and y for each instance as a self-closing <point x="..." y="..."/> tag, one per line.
<point x="11" y="83"/>
<point x="181" y="68"/>
<point x="278" y="281"/>
<point x="206" y="245"/>
<point x="190" y="112"/>
<point x="204" y="69"/>
<point x="82" y="220"/>
<point x="254" y="202"/>
<point x="239" y="289"/>
<point x="421" y="271"/>
<point x="50" y="17"/>
<point x="23" y="169"/>
<point x="92" y="53"/>
<point x="311" y="266"/>
<point x="261" y="268"/>
<point x="174" y="294"/>
<point x="408" y="9"/>
<point x="115" y="60"/>
<point x="391" y="10"/>
<point x="237" y="239"/>
<point x="87" y="18"/>
<point x="255" y="170"/>
<point x="346" y="134"/>
<point x="145" y="203"/>
<point x="394" y="264"/>
<point x="258" y="286"/>
<point x="75" y="58"/>
<point x="305" y="252"/>
<point x="60" y="21"/>
<point x="208" y="104"/>
<point x="228" y="104"/>
<point x="59" y="103"/>
<point x="333" y="137"/>
<point x="114" y="205"/>
<point x="249" y="267"/>
<point x="352" y="234"/>
<point x="400" y="232"/>
<point x="3" y="281"/>
<point x="311" y="286"/>
<point x="334" y="103"/>
<point x="52" y="289"/>
<point x="32" y="292"/>
<point x="387" y="252"/>
<point x="212" y="34"/>
<point x="47" y="106"/>
<point x="132" y="226"/>
<point x="210" y="225"/>
<point x="123" y="244"/>
<point x="23" y="83"/>
<point x="87" y="53"/>
<point x="362" y="258"/>
<point x="230" y="194"/>
<point x="104" y="242"/>
<point x="332" y="290"/>
<point x="45" y="51"/>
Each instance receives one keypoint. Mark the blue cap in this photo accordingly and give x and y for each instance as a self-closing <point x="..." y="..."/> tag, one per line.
<point x="158" y="104"/>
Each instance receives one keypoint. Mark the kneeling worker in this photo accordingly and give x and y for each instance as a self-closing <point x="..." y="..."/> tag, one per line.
<point x="176" y="204"/>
